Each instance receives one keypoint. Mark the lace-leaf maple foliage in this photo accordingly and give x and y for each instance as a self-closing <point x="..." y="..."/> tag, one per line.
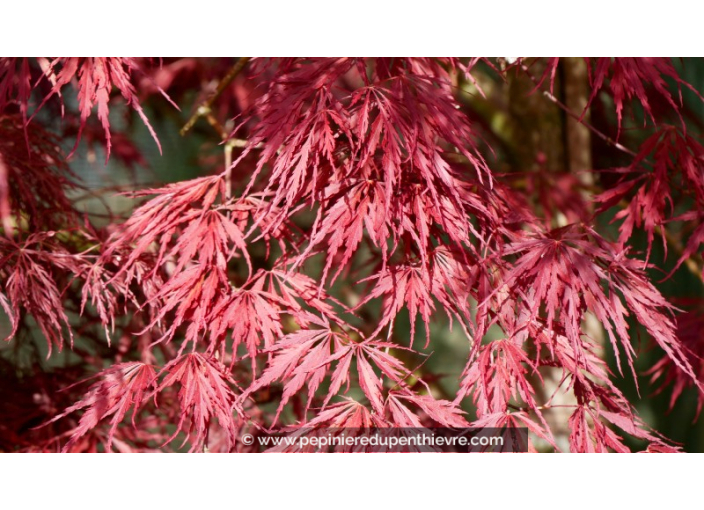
<point x="354" y="195"/>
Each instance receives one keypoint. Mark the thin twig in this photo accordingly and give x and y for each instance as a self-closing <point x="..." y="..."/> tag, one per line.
<point x="578" y="118"/>
<point x="228" y="172"/>
<point x="204" y="110"/>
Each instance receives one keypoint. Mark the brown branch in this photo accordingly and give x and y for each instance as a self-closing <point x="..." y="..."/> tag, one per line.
<point x="204" y="110"/>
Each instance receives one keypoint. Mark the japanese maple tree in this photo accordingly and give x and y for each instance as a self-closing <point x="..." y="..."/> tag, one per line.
<point x="343" y="217"/>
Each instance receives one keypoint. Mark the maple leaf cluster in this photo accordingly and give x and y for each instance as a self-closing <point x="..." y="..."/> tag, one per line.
<point x="355" y="195"/>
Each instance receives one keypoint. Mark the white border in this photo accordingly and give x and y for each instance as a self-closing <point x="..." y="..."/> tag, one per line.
<point x="359" y="481"/>
<point x="366" y="27"/>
